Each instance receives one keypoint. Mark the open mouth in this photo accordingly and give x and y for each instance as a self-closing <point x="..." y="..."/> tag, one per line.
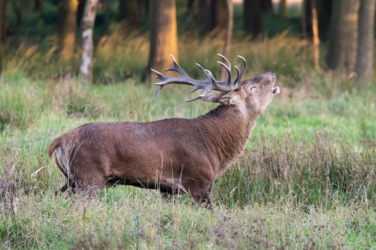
<point x="276" y="90"/>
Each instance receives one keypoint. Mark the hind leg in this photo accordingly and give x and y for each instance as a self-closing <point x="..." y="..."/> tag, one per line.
<point x="69" y="184"/>
<point x="62" y="189"/>
<point x="90" y="184"/>
<point x="167" y="197"/>
<point x="201" y="193"/>
<point x="90" y="190"/>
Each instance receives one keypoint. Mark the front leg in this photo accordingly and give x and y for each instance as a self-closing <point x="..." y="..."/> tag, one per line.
<point x="201" y="193"/>
<point x="167" y="198"/>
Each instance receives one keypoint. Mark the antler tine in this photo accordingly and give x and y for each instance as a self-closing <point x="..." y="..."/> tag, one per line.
<point x="207" y="90"/>
<point x="156" y="93"/>
<point x="207" y="85"/>
<point x="227" y="61"/>
<point x="207" y="77"/>
<point x="228" y="77"/>
<point x="236" y="81"/>
<point x="184" y="78"/>
<point x="243" y="68"/>
<point x="177" y="68"/>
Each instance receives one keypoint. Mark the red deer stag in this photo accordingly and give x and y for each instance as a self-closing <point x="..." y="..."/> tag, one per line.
<point x="172" y="155"/>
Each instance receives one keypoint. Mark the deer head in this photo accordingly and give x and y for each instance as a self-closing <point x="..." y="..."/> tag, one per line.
<point x="251" y="96"/>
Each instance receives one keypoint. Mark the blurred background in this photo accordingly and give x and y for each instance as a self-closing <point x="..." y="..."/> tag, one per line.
<point x="44" y="38"/>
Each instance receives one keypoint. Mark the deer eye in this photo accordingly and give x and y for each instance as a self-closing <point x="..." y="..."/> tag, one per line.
<point x="252" y="88"/>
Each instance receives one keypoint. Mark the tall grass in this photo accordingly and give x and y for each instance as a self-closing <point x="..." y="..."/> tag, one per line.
<point x="305" y="181"/>
<point x="321" y="171"/>
<point x="317" y="194"/>
<point x="121" y="56"/>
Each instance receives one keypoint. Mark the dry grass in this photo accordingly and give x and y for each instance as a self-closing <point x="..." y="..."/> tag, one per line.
<point x="306" y="180"/>
<point x="309" y="194"/>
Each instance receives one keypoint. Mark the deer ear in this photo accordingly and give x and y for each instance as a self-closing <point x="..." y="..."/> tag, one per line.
<point x="213" y="97"/>
<point x="218" y="96"/>
<point x="229" y="99"/>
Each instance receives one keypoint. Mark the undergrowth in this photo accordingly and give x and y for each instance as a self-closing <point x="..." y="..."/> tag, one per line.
<point x="305" y="181"/>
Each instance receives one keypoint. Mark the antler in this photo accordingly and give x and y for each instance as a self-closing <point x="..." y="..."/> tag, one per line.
<point x="207" y="85"/>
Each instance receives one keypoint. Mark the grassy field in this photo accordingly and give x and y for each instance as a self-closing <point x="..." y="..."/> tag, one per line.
<point x="306" y="181"/>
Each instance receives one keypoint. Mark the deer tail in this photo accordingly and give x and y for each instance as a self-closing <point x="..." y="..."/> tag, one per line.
<point x="54" y="145"/>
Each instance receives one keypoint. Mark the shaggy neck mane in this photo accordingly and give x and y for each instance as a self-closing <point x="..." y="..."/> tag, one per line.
<point x="226" y="131"/>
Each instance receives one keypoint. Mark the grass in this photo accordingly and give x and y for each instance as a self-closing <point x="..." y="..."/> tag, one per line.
<point x="306" y="180"/>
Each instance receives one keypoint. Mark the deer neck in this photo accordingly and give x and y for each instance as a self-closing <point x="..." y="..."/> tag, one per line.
<point x="227" y="131"/>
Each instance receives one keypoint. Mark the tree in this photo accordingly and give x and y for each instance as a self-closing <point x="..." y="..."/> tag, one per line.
<point x="316" y="39"/>
<point x="38" y="5"/>
<point x="228" y="37"/>
<point x="222" y="15"/>
<point x="16" y="6"/>
<point x="343" y="36"/>
<point x="66" y="28"/>
<point x="3" y="29"/>
<point x="87" y="26"/>
<point x="307" y="19"/>
<point x="107" y="13"/>
<point x="252" y="17"/>
<point x="364" y="60"/>
<point x="163" y="34"/>
<point x="212" y="16"/>
<point x="206" y="19"/>
<point x="283" y="7"/>
<point x="80" y="11"/>
<point x="324" y="14"/>
<point x="266" y="6"/>
<point x="131" y="12"/>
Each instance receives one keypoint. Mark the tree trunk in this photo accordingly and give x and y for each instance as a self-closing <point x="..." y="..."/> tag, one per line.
<point x="163" y="35"/>
<point x="364" y="60"/>
<point x="80" y="11"/>
<point x="343" y="36"/>
<point x="38" y="5"/>
<point x="304" y="32"/>
<point x="252" y="17"/>
<point x="316" y="39"/>
<point x="66" y="28"/>
<point x="212" y="15"/>
<point x="222" y="15"/>
<point x="190" y="4"/>
<point x="17" y="11"/>
<point x="266" y="5"/>
<point x="146" y="6"/>
<point x="324" y="14"/>
<point x="87" y="39"/>
<point x="107" y="13"/>
<point x="230" y="24"/>
<point x="307" y="19"/>
<point x="130" y="12"/>
<point x="283" y="8"/>
<point x="3" y="29"/>
<point x="206" y="20"/>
